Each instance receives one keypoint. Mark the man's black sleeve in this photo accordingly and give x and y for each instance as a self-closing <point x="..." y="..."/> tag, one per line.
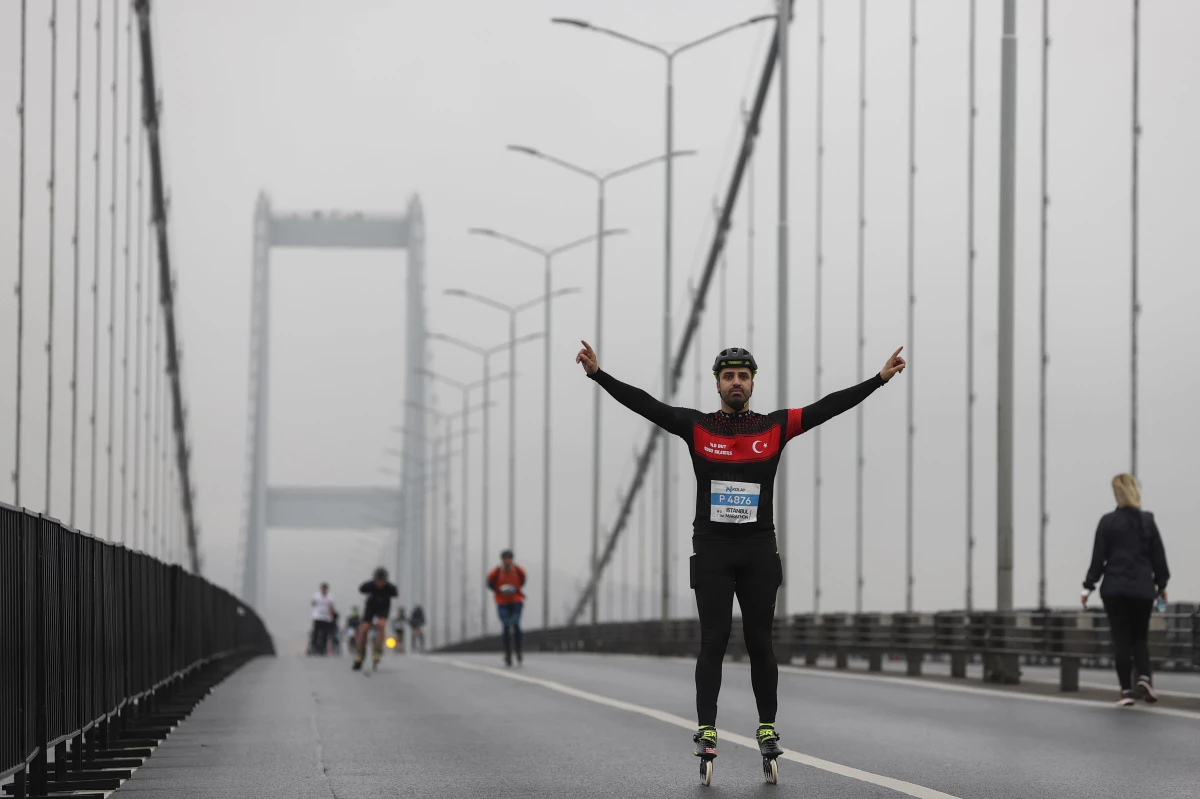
<point x="365" y="588"/>
<point x="838" y="402"/>
<point x="641" y="403"/>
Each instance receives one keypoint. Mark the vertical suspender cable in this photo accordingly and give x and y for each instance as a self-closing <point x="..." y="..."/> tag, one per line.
<point x="16" y="475"/>
<point x="128" y="286"/>
<point x="971" y="116"/>
<point x="1045" y="358"/>
<point x="96" y="272"/>
<point x="53" y="186"/>
<point x="138" y="402"/>
<point x="781" y="319"/>
<point x="820" y="257"/>
<point x="912" y="298"/>
<point x="75" y="258"/>
<point x="149" y="404"/>
<point x="112" y="277"/>
<point x="1135" y="304"/>
<point x="860" y="462"/>
<point x="155" y="404"/>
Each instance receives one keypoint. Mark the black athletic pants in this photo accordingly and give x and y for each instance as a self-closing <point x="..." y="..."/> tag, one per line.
<point x="750" y="570"/>
<point x="1129" y="621"/>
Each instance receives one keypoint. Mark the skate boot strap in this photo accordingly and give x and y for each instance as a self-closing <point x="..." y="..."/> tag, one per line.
<point x="766" y="731"/>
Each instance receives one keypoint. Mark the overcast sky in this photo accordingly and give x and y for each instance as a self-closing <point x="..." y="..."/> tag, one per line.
<point x="360" y="106"/>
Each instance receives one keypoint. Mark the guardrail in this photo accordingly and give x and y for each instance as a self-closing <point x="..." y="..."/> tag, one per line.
<point x="1000" y="640"/>
<point x="102" y="647"/>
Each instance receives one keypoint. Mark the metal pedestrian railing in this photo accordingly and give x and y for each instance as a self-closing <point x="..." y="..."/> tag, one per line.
<point x="1000" y="640"/>
<point x="102" y="647"/>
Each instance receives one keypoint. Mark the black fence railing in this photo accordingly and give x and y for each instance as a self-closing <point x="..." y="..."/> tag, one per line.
<point x="1001" y="641"/>
<point x="100" y="645"/>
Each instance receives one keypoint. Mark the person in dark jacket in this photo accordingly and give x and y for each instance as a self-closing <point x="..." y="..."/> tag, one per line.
<point x="1129" y="555"/>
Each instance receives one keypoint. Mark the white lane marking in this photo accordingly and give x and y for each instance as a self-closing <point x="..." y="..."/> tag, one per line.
<point x="900" y="786"/>
<point x="989" y="692"/>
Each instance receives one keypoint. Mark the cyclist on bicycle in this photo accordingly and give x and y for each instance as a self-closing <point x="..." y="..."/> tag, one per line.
<point x="380" y="594"/>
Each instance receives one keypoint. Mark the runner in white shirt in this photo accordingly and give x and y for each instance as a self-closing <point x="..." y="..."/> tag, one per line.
<point x="322" y="616"/>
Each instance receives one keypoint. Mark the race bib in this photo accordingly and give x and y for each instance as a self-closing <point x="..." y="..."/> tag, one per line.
<point x="733" y="503"/>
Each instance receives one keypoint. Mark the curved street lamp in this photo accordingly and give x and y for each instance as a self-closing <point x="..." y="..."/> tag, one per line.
<point x="669" y="55"/>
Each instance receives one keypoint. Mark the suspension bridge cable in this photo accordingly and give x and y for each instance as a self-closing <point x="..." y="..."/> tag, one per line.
<point x="172" y="353"/>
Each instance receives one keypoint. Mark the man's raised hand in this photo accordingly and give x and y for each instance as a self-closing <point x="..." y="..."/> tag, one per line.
<point x="587" y="357"/>
<point x="894" y="366"/>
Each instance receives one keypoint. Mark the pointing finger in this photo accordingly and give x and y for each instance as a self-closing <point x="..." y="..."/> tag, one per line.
<point x="897" y="352"/>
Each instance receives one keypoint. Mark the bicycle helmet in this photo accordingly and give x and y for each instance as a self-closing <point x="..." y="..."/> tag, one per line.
<point x="381" y="573"/>
<point x="735" y="356"/>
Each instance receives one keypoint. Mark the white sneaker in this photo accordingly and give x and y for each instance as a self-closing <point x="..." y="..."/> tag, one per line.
<point x="1126" y="699"/>
<point x="1145" y="691"/>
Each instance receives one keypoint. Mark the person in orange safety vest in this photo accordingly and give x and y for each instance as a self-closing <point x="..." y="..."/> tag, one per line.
<point x="506" y="582"/>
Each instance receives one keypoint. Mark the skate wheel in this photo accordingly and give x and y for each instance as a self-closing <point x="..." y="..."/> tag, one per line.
<point x="706" y="772"/>
<point x="770" y="771"/>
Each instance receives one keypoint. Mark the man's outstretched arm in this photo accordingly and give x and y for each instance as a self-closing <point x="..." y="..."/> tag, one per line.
<point x="635" y="399"/>
<point x="839" y="402"/>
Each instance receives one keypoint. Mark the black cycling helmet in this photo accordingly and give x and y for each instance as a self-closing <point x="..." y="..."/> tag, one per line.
<point x="735" y="356"/>
<point x="381" y="573"/>
<point x="506" y="554"/>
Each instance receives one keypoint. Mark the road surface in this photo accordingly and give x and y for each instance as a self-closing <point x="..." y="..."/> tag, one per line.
<point x="620" y="726"/>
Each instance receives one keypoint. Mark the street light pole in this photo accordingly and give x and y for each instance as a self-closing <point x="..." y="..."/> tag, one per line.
<point x="486" y="355"/>
<point x="601" y="180"/>
<point x="465" y="389"/>
<point x="466" y="492"/>
<point x="548" y="257"/>
<point x="512" y="431"/>
<point x="512" y="311"/>
<point x="668" y="386"/>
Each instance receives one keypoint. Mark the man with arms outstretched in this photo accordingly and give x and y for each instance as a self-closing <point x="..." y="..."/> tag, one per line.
<point x="735" y="454"/>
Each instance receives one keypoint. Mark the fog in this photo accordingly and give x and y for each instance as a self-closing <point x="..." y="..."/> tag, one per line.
<point x="359" y="106"/>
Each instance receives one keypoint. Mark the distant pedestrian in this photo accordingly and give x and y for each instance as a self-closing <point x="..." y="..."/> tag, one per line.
<point x="506" y="582"/>
<point x="1129" y="555"/>
<point x="417" y="622"/>
<point x="322" y="620"/>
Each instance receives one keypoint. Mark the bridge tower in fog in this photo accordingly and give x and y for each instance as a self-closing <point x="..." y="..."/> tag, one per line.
<point x="267" y="506"/>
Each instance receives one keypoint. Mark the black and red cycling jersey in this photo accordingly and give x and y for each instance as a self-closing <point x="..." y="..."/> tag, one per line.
<point x="735" y="455"/>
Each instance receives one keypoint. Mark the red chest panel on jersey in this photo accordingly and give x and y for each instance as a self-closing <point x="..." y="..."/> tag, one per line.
<point x="736" y="449"/>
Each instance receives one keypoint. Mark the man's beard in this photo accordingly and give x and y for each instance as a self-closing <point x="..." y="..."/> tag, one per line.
<point x="737" y="403"/>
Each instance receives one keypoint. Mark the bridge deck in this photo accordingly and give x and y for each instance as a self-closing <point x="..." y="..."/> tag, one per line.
<point x="614" y="726"/>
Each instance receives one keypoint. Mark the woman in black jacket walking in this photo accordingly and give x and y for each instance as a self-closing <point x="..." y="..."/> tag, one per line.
<point x="1129" y="555"/>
